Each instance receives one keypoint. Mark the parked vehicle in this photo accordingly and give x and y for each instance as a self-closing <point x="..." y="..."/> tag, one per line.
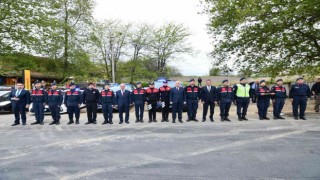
<point x="5" y="102"/>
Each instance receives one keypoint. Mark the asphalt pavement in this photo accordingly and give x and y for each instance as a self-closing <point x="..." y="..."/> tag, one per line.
<point x="254" y="149"/>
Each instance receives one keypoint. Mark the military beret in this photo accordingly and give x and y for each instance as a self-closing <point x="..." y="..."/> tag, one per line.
<point x="279" y="80"/>
<point x="299" y="78"/>
<point x="191" y="80"/>
<point x="242" y="78"/>
<point x="262" y="81"/>
<point x="226" y="80"/>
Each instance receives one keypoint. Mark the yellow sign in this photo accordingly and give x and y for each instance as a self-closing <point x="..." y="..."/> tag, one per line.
<point x="27" y="79"/>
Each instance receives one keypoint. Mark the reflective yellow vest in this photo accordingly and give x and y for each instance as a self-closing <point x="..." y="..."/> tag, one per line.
<point x="243" y="91"/>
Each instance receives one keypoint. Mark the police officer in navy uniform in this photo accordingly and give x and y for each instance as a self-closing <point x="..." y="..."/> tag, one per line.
<point x="38" y="98"/>
<point x="298" y="94"/>
<point x="91" y="99"/>
<point x="138" y="97"/>
<point x="224" y="99"/>
<point x="54" y="99"/>
<point x="165" y="101"/>
<point x="20" y="99"/>
<point x="279" y="98"/>
<point x="152" y="97"/>
<point x="107" y="100"/>
<point x="241" y="98"/>
<point x="192" y="97"/>
<point x="208" y="98"/>
<point x="263" y="100"/>
<point x="73" y="100"/>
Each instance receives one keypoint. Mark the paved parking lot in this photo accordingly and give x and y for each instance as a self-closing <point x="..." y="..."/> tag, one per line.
<point x="282" y="149"/>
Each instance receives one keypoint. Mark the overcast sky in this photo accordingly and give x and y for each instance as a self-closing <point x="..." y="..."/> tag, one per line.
<point x="160" y="11"/>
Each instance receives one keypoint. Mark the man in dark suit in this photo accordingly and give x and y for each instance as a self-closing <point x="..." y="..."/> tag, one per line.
<point x="208" y="95"/>
<point x="177" y="98"/>
<point x="20" y="99"/>
<point x="123" y="101"/>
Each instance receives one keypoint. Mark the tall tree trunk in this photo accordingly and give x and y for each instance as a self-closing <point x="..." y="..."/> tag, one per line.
<point x="66" y="39"/>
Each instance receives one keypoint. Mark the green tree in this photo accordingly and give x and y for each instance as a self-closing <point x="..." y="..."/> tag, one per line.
<point x="20" y="24"/>
<point x="260" y="35"/>
<point x="110" y="40"/>
<point x="169" y="41"/>
<point x="214" y="71"/>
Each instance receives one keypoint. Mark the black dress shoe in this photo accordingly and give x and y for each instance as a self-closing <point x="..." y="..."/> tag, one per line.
<point x="162" y="120"/>
<point x="137" y="120"/>
<point x="94" y="122"/>
<point x="244" y="118"/>
<point x="120" y="122"/>
<point x="105" y="122"/>
<point x="110" y="122"/>
<point x="222" y="119"/>
<point x="281" y="117"/>
<point x="57" y="123"/>
<point x="52" y="123"/>
<point x="303" y="118"/>
<point x="266" y="118"/>
<point x="260" y="118"/>
<point x="227" y="119"/>
<point x="196" y="120"/>
<point x="239" y="119"/>
<point x="34" y="123"/>
<point x="275" y="118"/>
<point x="14" y="124"/>
<point x="87" y="123"/>
<point x="180" y="120"/>
<point x="174" y="121"/>
<point x="70" y="122"/>
<point x="203" y="120"/>
<point x="296" y="118"/>
<point x="211" y="119"/>
<point x="41" y="123"/>
<point x="141" y="121"/>
<point x="188" y="120"/>
<point x="127" y="122"/>
<point x="24" y="124"/>
<point x="77" y="121"/>
<point x="155" y="120"/>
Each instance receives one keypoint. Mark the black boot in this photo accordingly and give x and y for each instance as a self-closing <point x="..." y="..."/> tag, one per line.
<point x="77" y="121"/>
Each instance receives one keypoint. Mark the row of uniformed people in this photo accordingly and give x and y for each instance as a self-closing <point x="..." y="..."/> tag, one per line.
<point x="177" y="96"/>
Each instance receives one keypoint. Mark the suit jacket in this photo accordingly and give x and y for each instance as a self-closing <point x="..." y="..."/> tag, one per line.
<point x="24" y="97"/>
<point x="124" y="99"/>
<point x="207" y="96"/>
<point x="177" y="96"/>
